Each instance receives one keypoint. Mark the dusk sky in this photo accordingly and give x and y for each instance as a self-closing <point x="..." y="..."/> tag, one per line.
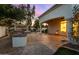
<point x="41" y="8"/>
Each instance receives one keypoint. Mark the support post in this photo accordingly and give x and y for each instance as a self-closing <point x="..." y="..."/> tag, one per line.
<point x="40" y="27"/>
<point x="70" y="29"/>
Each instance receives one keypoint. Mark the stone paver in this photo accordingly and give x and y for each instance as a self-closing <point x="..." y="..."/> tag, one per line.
<point x="37" y="44"/>
<point x="43" y="43"/>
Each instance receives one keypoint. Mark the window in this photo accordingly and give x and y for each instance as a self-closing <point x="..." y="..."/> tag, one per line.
<point x="63" y="26"/>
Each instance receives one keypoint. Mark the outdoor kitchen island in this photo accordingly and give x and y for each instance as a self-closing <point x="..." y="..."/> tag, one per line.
<point x="19" y="39"/>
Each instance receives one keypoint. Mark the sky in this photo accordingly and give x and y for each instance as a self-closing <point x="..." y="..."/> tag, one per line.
<point x="41" y="8"/>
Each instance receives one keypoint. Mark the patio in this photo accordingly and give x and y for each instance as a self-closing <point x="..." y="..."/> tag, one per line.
<point x="37" y="44"/>
<point x="52" y="42"/>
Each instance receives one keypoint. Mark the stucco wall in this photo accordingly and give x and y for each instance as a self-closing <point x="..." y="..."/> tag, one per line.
<point x="4" y="39"/>
<point x="63" y="10"/>
<point x="2" y="31"/>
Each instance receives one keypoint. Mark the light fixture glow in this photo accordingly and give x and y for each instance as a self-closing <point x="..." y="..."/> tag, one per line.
<point x="63" y="26"/>
<point x="75" y="28"/>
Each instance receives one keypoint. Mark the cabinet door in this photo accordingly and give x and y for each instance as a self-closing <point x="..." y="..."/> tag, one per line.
<point x="19" y="41"/>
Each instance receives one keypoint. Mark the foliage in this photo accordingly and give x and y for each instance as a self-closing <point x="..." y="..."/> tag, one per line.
<point x="10" y="13"/>
<point x="75" y="21"/>
<point x="65" y="51"/>
<point x="75" y="9"/>
<point x="30" y="15"/>
<point x="45" y="31"/>
<point x="36" y="24"/>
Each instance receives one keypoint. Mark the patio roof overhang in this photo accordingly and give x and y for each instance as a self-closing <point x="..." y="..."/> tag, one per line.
<point x="53" y="19"/>
<point x="57" y="11"/>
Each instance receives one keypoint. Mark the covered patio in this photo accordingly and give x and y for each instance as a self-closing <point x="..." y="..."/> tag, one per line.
<point x="57" y="26"/>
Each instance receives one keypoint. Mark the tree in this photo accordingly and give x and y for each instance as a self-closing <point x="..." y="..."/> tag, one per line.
<point x="5" y="14"/>
<point x="22" y="12"/>
<point x="36" y="25"/>
<point x="74" y="26"/>
<point x="9" y="14"/>
<point x="30" y="15"/>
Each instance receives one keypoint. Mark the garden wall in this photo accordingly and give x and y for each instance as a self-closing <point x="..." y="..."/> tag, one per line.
<point x="4" y="38"/>
<point x="2" y="31"/>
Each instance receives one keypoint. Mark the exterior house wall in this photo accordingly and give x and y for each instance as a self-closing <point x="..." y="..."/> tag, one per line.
<point x="63" y="10"/>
